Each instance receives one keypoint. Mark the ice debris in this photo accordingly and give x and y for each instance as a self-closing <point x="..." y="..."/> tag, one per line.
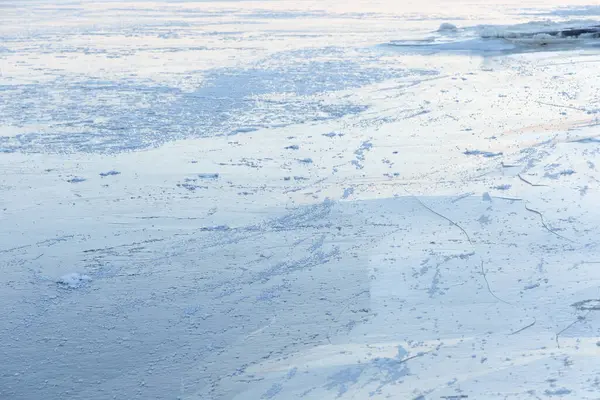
<point x="73" y="280"/>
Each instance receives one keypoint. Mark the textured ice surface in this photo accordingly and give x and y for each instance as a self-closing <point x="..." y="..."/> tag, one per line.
<point x="267" y="200"/>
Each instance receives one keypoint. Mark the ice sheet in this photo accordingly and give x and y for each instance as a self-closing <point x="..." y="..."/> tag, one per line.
<point x="267" y="200"/>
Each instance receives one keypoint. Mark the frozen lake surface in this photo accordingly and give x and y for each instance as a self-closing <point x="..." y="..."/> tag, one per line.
<point x="299" y="200"/>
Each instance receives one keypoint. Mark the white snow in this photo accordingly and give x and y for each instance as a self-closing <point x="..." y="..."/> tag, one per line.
<point x="447" y="27"/>
<point x="73" y="280"/>
<point x="298" y="200"/>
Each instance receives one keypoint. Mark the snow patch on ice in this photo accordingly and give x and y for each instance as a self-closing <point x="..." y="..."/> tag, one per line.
<point x="502" y="187"/>
<point x="347" y="192"/>
<point x="273" y="391"/>
<point x="447" y="27"/>
<point x="73" y="280"/>
<point x="109" y="173"/>
<point x="487" y="154"/>
<point x="208" y="176"/>
<point x="360" y="154"/>
<point x="558" y="392"/>
<point x="345" y="378"/>
<point x="557" y="175"/>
